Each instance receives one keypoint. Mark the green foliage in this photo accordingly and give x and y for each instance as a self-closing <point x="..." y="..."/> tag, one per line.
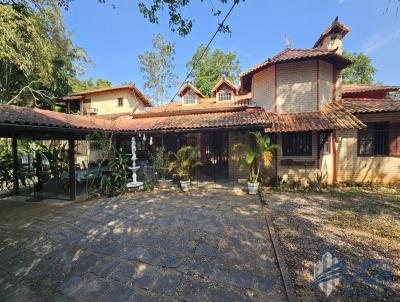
<point x="150" y="10"/>
<point x="55" y="152"/>
<point x="6" y="166"/>
<point x="177" y="22"/>
<point x="159" y="160"/>
<point x="214" y="64"/>
<point x="361" y="71"/>
<point x="158" y="69"/>
<point x="185" y="160"/>
<point x="143" y="177"/>
<point x="106" y="155"/>
<point x="120" y="171"/>
<point x="257" y="156"/>
<point x="37" y="57"/>
<point x="114" y="181"/>
<point x="79" y="85"/>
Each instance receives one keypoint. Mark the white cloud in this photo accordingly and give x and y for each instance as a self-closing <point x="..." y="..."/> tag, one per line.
<point x="377" y="41"/>
<point x="340" y="1"/>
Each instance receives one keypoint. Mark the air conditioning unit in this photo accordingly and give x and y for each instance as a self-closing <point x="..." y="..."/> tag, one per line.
<point x="91" y="110"/>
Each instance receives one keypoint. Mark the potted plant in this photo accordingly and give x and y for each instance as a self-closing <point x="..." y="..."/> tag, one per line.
<point x="186" y="159"/>
<point x="255" y="157"/>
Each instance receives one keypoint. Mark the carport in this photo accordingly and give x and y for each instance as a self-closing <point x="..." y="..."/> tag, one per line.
<point x="33" y="125"/>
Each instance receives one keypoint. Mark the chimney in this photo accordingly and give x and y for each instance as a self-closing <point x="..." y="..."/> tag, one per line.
<point x="332" y="37"/>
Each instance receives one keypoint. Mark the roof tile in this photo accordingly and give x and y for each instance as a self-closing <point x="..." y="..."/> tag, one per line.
<point x="370" y="105"/>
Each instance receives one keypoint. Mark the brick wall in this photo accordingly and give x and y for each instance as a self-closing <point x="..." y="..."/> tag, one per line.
<point x="325" y="83"/>
<point x="297" y="87"/>
<point x="263" y="88"/>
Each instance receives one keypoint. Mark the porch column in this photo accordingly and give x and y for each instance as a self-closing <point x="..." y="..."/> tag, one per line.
<point x="71" y="164"/>
<point x="334" y="154"/>
<point x="15" y="164"/>
<point x="319" y="146"/>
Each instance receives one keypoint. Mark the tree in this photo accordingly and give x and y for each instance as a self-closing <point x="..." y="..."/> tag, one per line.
<point x="214" y="64"/>
<point x="158" y="69"/>
<point x="361" y="71"/>
<point x="37" y="57"/>
<point x="78" y="85"/>
<point x="151" y="10"/>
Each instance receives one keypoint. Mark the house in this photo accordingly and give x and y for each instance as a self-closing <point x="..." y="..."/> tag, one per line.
<point x="104" y="101"/>
<point x="110" y="102"/>
<point x="371" y="154"/>
<point x="298" y="98"/>
<point x="323" y="127"/>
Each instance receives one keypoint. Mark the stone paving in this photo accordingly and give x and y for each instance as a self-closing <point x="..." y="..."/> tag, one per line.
<point x="201" y="246"/>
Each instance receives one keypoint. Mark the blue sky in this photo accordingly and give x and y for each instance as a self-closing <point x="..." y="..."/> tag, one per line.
<point x="113" y="38"/>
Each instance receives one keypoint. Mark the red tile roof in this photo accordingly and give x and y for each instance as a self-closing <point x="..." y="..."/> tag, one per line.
<point x="370" y="105"/>
<point x="187" y="86"/>
<point x="349" y="89"/>
<point x="82" y="94"/>
<point x="224" y="81"/>
<point x="15" y="115"/>
<point x="292" y="55"/>
<point x="203" y="104"/>
<point x="194" y="121"/>
<point x="333" y="116"/>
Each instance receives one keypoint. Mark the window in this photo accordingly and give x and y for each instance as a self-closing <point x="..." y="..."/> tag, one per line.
<point x="224" y="95"/>
<point x="374" y="140"/>
<point x="189" y="98"/>
<point x="120" y="102"/>
<point x="324" y="141"/>
<point x="297" y="144"/>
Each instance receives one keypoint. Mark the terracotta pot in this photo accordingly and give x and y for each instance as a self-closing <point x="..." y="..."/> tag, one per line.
<point x="185" y="185"/>
<point x="253" y="187"/>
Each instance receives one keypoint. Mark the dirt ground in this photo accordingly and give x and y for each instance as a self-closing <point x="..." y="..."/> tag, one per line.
<point x="347" y="222"/>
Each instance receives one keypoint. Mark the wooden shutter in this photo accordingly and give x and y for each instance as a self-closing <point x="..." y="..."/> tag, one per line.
<point x="394" y="139"/>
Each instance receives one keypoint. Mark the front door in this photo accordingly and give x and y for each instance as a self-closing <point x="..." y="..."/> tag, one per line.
<point x="214" y="153"/>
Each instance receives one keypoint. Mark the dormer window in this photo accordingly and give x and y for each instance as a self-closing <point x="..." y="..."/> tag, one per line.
<point x="189" y="98"/>
<point x="224" y="95"/>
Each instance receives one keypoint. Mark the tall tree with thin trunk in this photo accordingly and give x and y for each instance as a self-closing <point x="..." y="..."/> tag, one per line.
<point x="37" y="56"/>
<point x="158" y="69"/>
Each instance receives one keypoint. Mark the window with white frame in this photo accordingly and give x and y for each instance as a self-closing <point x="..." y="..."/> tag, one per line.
<point x="224" y="95"/>
<point x="189" y="98"/>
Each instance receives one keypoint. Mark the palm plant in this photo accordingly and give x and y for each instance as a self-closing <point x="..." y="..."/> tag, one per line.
<point x="258" y="156"/>
<point x="186" y="159"/>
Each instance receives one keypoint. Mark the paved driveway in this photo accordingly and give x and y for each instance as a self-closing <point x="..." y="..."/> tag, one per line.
<point x="202" y="246"/>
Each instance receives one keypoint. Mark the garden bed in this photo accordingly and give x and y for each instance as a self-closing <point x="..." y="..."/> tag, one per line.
<point x="347" y="222"/>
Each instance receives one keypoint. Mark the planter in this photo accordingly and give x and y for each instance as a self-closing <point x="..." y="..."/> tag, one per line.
<point x="185" y="185"/>
<point x="253" y="187"/>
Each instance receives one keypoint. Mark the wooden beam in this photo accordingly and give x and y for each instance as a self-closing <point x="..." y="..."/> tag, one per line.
<point x="71" y="164"/>
<point x="15" y="164"/>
